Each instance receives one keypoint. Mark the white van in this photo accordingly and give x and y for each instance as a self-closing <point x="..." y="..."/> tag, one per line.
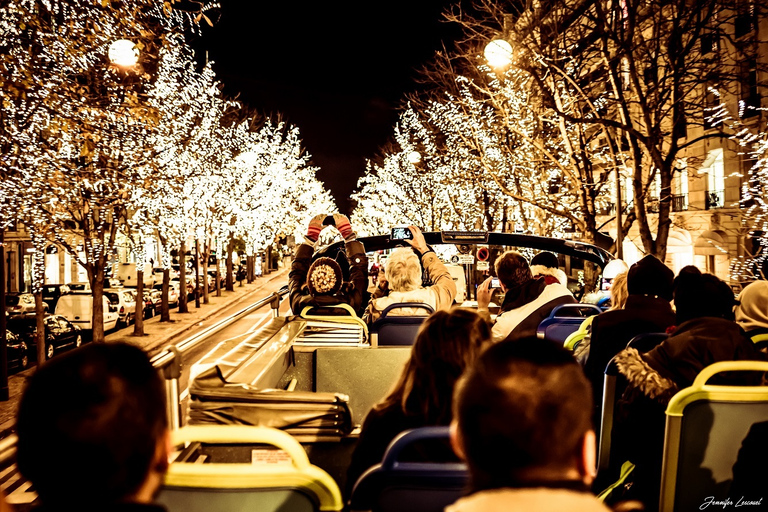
<point x="126" y="273"/>
<point x="78" y="309"/>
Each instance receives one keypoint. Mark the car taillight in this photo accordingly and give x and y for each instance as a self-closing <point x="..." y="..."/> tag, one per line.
<point x="122" y="309"/>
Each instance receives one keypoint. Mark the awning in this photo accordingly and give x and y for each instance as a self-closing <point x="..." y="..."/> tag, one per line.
<point x="679" y="241"/>
<point x="712" y="242"/>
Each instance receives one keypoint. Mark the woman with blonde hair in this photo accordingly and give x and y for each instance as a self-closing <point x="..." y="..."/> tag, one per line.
<point x="447" y="343"/>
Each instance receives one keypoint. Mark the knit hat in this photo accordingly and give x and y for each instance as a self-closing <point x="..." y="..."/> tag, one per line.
<point x="545" y="259"/>
<point x="324" y="277"/>
<point x="752" y="312"/>
<point x="650" y="276"/>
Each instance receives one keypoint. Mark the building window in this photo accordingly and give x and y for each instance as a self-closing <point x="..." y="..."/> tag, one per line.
<point x="715" y="169"/>
<point x="712" y="110"/>
<point x="745" y="21"/>
<point x="680" y="184"/>
<point x="749" y="101"/>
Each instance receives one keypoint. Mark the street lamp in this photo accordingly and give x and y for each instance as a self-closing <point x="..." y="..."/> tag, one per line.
<point x="123" y="53"/>
<point x="414" y="157"/>
<point x="498" y="53"/>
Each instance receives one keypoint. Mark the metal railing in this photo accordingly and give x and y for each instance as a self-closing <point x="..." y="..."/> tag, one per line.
<point x="715" y="199"/>
<point x="680" y="203"/>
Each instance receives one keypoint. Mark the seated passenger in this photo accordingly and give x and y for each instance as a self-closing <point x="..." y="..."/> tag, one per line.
<point x="404" y="279"/>
<point x="522" y="422"/>
<point x="618" y="299"/>
<point x="706" y="333"/>
<point x="92" y="430"/>
<point x="447" y="343"/>
<point x="545" y="264"/>
<point x="648" y="309"/>
<point x="752" y="311"/>
<point x="527" y="300"/>
<point x="322" y="281"/>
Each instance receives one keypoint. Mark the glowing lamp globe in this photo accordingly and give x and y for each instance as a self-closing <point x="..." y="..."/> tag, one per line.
<point x="498" y="53"/>
<point x="414" y="157"/>
<point x="123" y="53"/>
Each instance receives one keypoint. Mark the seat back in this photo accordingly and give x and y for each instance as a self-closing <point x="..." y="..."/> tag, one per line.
<point x="610" y="397"/>
<point x="576" y="337"/>
<point x="274" y="475"/>
<point x="706" y="428"/>
<point x="392" y="329"/>
<point x="410" y="486"/>
<point x="339" y="314"/>
<point x="646" y="341"/>
<point x="564" y="320"/>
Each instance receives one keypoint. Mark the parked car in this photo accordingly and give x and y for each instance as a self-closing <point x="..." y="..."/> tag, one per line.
<point x="17" y="351"/>
<point x="112" y="282"/>
<point x="78" y="309"/>
<point x="59" y="333"/>
<point x="125" y="302"/>
<point x="21" y="303"/>
<point x="158" y="273"/>
<point x="173" y="293"/>
<point x="79" y="287"/>
<point x="149" y="305"/>
<point x="127" y="273"/>
<point x="52" y="292"/>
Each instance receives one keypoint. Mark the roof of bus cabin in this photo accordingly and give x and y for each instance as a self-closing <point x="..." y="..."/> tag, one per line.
<point x="578" y="249"/>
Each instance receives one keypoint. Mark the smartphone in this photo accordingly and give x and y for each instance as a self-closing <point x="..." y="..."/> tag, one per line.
<point x="495" y="283"/>
<point x="401" y="234"/>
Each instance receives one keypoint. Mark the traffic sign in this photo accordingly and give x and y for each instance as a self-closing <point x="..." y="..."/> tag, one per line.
<point x="466" y="259"/>
<point x="483" y="265"/>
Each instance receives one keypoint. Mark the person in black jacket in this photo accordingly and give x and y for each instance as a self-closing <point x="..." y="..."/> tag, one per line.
<point x="447" y="343"/>
<point x="318" y="280"/>
<point x="648" y="309"/>
<point x="706" y="333"/>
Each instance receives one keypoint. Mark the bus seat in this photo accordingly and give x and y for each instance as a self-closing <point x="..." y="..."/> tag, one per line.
<point x="573" y="339"/>
<point x="760" y="340"/>
<point x="564" y="320"/>
<point x="647" y="341"/>
<point x="392" y="329"/>
<point x="340" y="313"/>
<point x="705" y="428"/>
<point x="410" y="486"/>
<point x="271" y="474"/>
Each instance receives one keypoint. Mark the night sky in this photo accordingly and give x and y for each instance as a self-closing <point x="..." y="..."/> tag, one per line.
<point x="336" y="69"/>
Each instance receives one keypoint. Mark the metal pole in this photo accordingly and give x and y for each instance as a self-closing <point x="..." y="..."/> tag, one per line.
<point x="197" y="274"/>
<point x="4" y="394"/>
<point x="172" y="373"/>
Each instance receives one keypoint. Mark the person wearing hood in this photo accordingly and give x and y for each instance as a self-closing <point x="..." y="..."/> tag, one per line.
<point x="316" y="280"/>
<point x="752" y="311"/>
<point x="527" y="299"/>
<point x="705" y="334"/>
<point x="545" y="264"/>
<point x="647" y="309"/>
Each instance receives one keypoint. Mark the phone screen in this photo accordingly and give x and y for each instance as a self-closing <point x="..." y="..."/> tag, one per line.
<point x="401" y="234"/>
<point x="495" y="283"/>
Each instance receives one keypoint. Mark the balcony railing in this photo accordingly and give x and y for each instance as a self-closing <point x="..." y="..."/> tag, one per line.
<point x="715" y="199"/>
<point x="680" y="203"/>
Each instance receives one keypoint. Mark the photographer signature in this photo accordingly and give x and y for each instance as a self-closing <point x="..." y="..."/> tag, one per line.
<point x="727" y="502"/>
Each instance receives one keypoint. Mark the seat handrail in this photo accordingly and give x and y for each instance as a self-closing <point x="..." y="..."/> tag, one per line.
<point x="352" y="318"/>
<point x="594" y="310"/>
<point x="728" y="366"/>
<point x="758" y="338"/>
<point x="402" y="305"/>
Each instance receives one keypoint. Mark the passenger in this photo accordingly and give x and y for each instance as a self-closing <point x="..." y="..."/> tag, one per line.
<point x="522" y="422"/>
<point x="619" y="297"/>
<point x="92" y="430"/>
<point x="447" y="343"/>
<point x="706" y="333"/>
<point x="403" y="275"/>
<point x="648" y="309"/>
<point x="545" y="264"/>
<point x="324" y="281"/>
<point x="752" y="311"/>
<point x="527" y="300"/>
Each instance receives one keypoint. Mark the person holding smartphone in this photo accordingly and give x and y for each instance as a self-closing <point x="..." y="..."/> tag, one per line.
<point x="403" y="272"/>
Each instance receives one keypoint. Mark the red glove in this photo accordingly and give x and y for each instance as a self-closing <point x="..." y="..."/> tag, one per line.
<point x="314" y="228"/>
<point x="342" y="224"/>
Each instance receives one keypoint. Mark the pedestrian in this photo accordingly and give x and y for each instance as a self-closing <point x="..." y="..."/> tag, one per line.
<point x="240" y="275"/>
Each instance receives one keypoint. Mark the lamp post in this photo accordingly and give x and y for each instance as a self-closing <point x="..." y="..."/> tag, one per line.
<point x="123" y="53"/>
<point x="498" y="54"/>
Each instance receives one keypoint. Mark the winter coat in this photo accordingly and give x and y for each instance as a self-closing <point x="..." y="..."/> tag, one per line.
<point x="655" y="377"/>
<point x="525" y="306"/>
<point x="439" y="295"/>
<point x="540" y="499"/>
<point x="352" y="293"/>
<point x="612" y="330"/>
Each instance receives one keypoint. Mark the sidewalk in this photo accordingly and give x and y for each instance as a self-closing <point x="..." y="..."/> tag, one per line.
<point x="156" y="334"/>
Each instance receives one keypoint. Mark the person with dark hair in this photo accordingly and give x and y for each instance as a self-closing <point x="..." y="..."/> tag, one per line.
<point x="647" y="309"/>
<point x="545" y="264"/>
<point x="319" y="280"/>
<point x="92" y="430"/>
<point x="527" y="299"/>
<point x="447" y="343"/>
<point x="705" y="334"/>
<point x="522" y="422"/>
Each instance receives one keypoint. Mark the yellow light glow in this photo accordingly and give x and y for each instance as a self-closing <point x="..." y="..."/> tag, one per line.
<point x="123" y="53"/>
<point x="498" y="53"/>
<point x="414" y="157"/>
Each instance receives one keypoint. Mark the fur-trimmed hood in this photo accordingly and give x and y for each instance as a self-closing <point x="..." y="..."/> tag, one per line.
<point x="641" y="376"/>
<point x="541" y="270"/>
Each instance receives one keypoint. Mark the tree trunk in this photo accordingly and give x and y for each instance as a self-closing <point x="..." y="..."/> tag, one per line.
<point x="230" y="281"/>
<point x="138" y="319"/>
<point x="165" y="310"/>
<point x="3" y="341"/>
<point x="206" y="255"/>
<point x="197" y="275"/>
<point x="183" y="278"/>
<point x="249" y="268"/>
<point x="218" y="278"/>
<point x="96" y="273"/>
<point x="40" y="329"/>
